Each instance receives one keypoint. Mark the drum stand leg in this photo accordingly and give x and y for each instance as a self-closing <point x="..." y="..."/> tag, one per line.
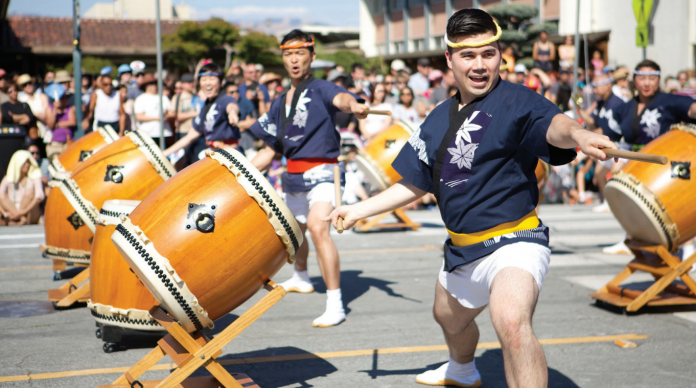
<point x="73" y="291"/>
<point x="374" y="224"/>
<point x="656" y="260"/>
<point x="192" y="351"/>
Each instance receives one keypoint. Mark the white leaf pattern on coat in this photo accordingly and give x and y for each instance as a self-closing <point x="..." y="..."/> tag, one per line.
<point x="419" y="146"/>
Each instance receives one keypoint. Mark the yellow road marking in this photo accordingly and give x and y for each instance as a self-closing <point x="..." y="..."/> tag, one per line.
<point x="415" y="249"/>
<point x="21" y="268"/>
<point x="306" y="356"/>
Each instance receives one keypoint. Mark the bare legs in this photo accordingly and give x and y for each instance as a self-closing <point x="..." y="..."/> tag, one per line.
<point x="327" y="254"/>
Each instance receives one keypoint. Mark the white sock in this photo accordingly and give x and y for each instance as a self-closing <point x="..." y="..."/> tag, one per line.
<point x="463" y="371"/>
<point x="304" y="275"/>
<point x="334" y="300"/>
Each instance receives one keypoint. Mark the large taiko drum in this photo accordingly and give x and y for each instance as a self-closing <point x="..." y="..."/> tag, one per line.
<point x="129" y="168"/>
<point x="208" y="239"/>
<point x="67" y="237"/>
<point x="117" y="297"/>
<point x="83" y="148"/>
<point x="376" y="158"/>
<point x="655" y="203"/>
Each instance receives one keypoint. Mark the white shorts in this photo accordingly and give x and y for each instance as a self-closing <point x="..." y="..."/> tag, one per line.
<point x="471" y="284"/>
<point x="300" y="202"/>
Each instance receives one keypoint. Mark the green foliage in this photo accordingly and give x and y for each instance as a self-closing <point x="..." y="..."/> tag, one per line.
<point x="93" y="65"/>
<point x="534" y="30"/>
<point x="193" y="40"/>
<point x="343" y="58"/>
<point x="510" y="16"/>
<point x="256" y="47"/>
<point x="527" y="61"/>
<point x="512" y="36"/>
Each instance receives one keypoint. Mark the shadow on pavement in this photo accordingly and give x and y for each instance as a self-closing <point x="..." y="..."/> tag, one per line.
<point x="353" y="286"/>
<point x="489" y="365"/>
<point x="296" y="371"/>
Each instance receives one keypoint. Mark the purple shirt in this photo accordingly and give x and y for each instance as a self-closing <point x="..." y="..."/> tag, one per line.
<point x="61" y="134"/>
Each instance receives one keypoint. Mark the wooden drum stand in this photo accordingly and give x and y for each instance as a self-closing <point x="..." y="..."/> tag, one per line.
<point x="75" y="290"/>
<point x="656" y="260"/>
<point x="192" y="351"/>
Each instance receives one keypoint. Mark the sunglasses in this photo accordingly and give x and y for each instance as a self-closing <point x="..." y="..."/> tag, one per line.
<point x="234" y="91"/>
<point x="35" y="152"/>
<point x="406" y="94"/>
<point x="389" y="83"/>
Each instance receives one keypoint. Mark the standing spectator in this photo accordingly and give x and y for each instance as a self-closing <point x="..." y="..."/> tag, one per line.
<point x="63" y="78"/>
<point x="87" y="88"/>
<point x="566" y="53"/>
<point x="392" y="91"/>
<point x="134" y="90"/>
<point x="125" y="74"/>
<point x="106" y="108"/>
<point x="248" y="115"/>
<point x="184" y="110"/>
<point x="236" y="69"/>
<point x="21" y="191"/>
<point x="4" y="86"/>
<point x="405" y="110"/>
<point x="147" y="110"/>
<point x="560" y="92"/>
<point x="49" y="78"/>
<point x="621" y="86"/>
<point x="344" y="121"/>
<point x="438" y="92"/>
<point x="250" y="78"/>
<point x="509" y="56"/>
<point x="419" y="81"/>
<point x="37" y="102"/>
<point x="60" y="119"/>
<point x="373" y="125"/>
<point x="271" y="81"/>
<point x="16" y="112"/>
<point x="123" y="96"/>
<point x="259" y="71"/>
<point x="597" y="62"/>
<point x="520" y="74"/>
<point x="544" y="52"/>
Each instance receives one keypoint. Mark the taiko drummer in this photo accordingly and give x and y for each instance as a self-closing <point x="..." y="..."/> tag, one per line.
<point x="301" y="126"/>
<point x="477" y="153"/>
<point x="218" y="120"/>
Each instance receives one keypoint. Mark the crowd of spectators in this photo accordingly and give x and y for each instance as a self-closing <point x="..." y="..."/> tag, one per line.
<point x="45" y="108"/>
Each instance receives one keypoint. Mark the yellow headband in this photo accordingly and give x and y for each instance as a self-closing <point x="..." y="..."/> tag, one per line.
<point x="476" y="44"/>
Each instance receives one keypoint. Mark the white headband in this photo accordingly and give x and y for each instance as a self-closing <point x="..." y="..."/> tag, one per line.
<point x="603" y="82"/>
<point x="652" y="72"/>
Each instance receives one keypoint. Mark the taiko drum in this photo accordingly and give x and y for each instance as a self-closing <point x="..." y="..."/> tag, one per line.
<point x="129" y="168"/>
<point x="117" y="297"/>
<point x="655" y="203"/>
<point x="208" y="239"/>
<point x="81" y="149"/>
<point x="375" y="160"/>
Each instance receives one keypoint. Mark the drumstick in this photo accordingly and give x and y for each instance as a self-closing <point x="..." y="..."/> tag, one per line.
<point x="337" y="184"/>
<point x="637" y="156"/>
<point x="378" y="112"/>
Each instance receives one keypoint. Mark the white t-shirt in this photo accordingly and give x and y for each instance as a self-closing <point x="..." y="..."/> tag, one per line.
<point x="377" y="123"/>
<point x="149" y="105"/>
<point x="400" y="112"/>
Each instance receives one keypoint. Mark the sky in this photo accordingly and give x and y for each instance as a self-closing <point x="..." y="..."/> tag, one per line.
<point x="331" y="12"/>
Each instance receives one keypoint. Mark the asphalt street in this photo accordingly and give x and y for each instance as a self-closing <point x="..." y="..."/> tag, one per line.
<point x="389" y="336"/>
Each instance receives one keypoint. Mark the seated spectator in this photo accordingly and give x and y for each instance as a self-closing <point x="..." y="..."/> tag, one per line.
<point x="15" y="112"/>
<point x="376" y="124"/>
<point x="405" y="110"/>
<point x="21" y="191"/>
<point x="60" y="119"/>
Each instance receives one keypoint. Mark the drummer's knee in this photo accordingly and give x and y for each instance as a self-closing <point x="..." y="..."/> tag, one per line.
<point x="318" y="229"/>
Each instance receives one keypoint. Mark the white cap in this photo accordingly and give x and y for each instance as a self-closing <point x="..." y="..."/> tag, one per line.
<point x="398" y="65"/>
<point x="520" y="68"/>
<point x="137" y="66"/>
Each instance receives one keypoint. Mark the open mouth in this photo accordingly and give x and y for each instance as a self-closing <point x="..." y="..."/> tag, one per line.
<point x="478" y="80"/>
<point x="295" y="69"/>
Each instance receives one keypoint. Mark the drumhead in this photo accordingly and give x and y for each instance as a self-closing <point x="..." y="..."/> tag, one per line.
<point x="153" y="154"/>
<point x="639" y="212"/>
<point x="373" y="173"/>
<point x="114" y="208"/>
<point x="409" y="126"/>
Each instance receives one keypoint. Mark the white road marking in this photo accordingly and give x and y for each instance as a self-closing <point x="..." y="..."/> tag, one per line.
<point x="16" y="236"/>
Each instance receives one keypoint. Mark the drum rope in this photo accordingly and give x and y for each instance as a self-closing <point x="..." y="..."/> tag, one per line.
<point x="153" y="154"/>
<point x="650" y="206"/>
<point x="79" y="201"/>
<point x="264" y="195"/>
<point x="111" y="213"/>
<point x="144" y="322"/>
<point x="161" y="275"/>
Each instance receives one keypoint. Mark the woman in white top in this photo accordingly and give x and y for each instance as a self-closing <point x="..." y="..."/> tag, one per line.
<point x="21" y="191"/>
<point x="375" y="124"/>
<point x="405" y="110"/>
<point x="36" y="101"/>
<point x="105" y="107"/>
<point x="147" y="110"/>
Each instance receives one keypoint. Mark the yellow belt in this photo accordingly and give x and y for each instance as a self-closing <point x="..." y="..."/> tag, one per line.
<point x="530" y="221"/>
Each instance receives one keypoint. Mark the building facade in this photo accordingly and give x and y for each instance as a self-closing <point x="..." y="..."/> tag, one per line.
<point x="416" y="28"/>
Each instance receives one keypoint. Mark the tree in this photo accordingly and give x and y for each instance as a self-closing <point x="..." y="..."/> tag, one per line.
<point x="192" y="40"/>
<point x="255" y="47"/>
<point x="93" y="65"/>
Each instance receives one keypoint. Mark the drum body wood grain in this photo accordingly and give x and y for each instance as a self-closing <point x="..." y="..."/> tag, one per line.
<point x="117" y="297"/>
<point x="67" y="237"/>
<point x="376" y="158"/>
<point x="208" y="239"/>
<point x="83" y="148"/>
<point x="129" y="168"/>
<point x="655" y="203"/>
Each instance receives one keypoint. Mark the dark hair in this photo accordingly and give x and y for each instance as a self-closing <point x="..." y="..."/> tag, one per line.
<point x="356" y="65"/>
<point x="212" y="68"/>
<point x="298" y="35"/>
<point x="372" y="91"/>
<point x="648" y="63"/>
<point x="469" y="22"/>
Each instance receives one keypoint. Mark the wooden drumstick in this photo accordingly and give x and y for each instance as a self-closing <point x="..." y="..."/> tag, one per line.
<point x="378" y="112"/>
<point x="337" y="184"/>
<point x="637" y="156"/>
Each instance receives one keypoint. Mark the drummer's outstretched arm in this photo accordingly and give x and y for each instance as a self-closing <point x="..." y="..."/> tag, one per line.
<point x="565" y="132"/>
<point x="183" y="142"/>
<point x="398" y="195"/>
<point x="692" y="111"/>
<point x="348" y="104"/>
<point x="264" y="158"/>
